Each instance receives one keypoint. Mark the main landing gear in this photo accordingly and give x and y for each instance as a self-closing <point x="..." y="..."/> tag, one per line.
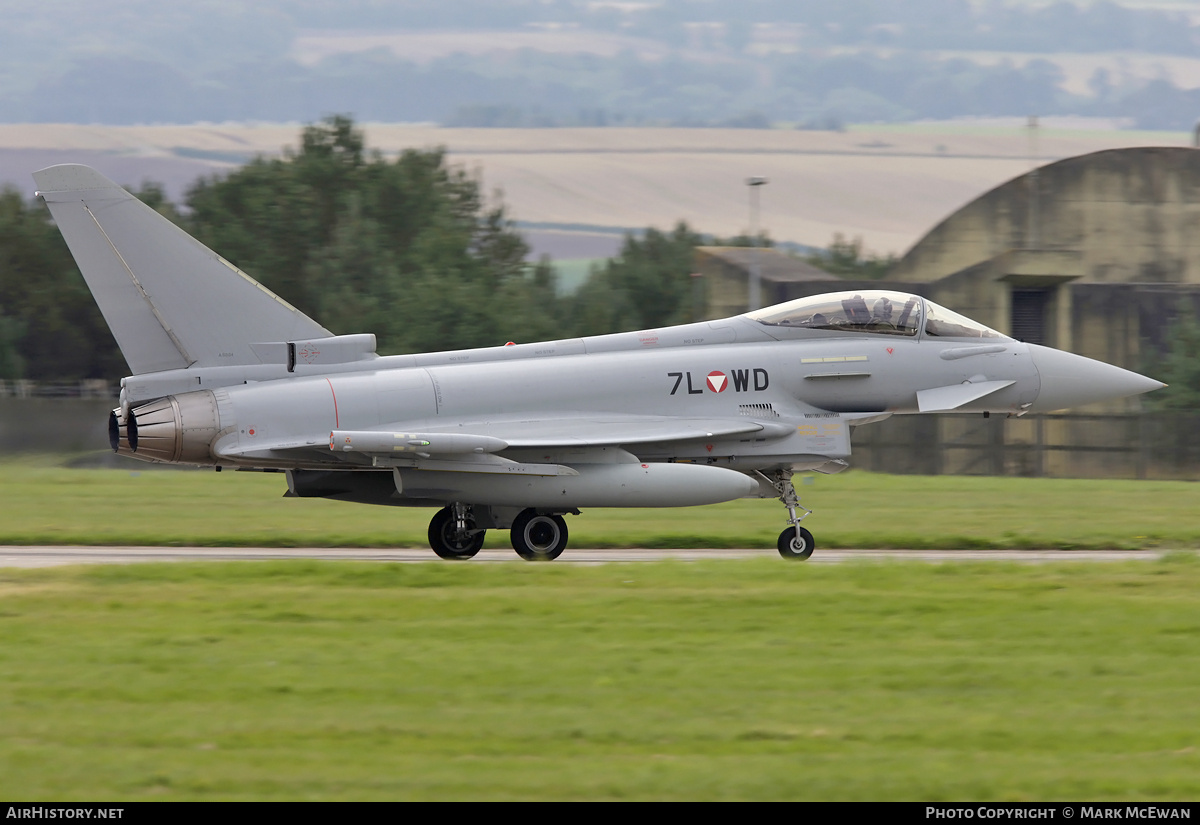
<point x="538" y="537"/>
<point x="795" y="542"/>
<point x="454" y="533"/>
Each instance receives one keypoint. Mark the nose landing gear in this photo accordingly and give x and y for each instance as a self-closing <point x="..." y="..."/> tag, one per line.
<point x="795" y="542"/>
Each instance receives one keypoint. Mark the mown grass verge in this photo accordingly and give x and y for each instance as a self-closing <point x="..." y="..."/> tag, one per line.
<point x="709" y="680"/>
<point x="53" y="505"/>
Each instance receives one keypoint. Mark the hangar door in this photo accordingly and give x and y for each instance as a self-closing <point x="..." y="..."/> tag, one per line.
<point x="1029" y="322"/>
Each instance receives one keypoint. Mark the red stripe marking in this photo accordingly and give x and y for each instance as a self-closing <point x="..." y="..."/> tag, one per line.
<point x="336" y="423"/>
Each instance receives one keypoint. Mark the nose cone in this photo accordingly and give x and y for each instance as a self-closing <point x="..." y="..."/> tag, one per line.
<point x="1070" y="380"/>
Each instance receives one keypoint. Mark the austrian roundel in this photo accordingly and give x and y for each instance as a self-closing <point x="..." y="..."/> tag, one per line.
<point x="717" y="382"/>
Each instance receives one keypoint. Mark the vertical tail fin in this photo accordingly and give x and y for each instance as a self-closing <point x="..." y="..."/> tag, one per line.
<point x="170" y="302"/>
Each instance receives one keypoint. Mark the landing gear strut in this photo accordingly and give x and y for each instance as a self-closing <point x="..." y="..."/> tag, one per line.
<point x="453" y="534"/>
<point x="795" y="542"/>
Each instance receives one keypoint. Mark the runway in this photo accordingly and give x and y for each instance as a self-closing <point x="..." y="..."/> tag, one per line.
<point x="29" y="557"/>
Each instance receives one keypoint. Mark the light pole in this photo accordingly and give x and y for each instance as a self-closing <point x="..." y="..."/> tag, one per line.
<point x="1031" y="234"/>
<point x="755" y="298"/>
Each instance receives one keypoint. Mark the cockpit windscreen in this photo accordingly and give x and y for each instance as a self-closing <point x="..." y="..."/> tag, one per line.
<point x="874" y="311"/>
<point x="942" y="323"/>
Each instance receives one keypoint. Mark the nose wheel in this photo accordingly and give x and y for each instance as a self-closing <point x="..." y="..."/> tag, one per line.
<point x="795" y="542"/>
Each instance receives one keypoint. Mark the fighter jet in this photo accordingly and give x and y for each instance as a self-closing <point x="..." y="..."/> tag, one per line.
<point x="229" y="375"/>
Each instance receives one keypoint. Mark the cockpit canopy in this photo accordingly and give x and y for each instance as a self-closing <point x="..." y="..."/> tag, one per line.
<point x="876" y="311"/>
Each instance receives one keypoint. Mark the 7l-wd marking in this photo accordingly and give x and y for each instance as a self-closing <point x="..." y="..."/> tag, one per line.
<point x="718" y="381"/>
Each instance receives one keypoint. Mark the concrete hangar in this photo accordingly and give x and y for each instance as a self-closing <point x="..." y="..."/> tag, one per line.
<point x="1096" y="254"/>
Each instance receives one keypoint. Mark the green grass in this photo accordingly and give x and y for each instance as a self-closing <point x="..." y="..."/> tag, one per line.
<point x="712" y="680"/>
<point x="52" y="505"/>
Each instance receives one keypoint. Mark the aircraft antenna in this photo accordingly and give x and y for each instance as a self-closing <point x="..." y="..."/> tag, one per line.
<point x="755" y="296"/>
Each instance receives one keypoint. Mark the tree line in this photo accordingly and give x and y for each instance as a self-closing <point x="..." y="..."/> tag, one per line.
<point x="408" y="248"/>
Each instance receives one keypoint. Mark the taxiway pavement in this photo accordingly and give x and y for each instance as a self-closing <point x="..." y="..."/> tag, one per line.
<point x="48" y="556"/>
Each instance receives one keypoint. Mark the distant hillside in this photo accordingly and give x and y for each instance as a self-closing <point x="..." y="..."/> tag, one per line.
<point x="517" y="63"/>
<point x="885" y="184"/>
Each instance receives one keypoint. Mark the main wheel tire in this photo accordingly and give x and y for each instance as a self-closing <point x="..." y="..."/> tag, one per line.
<point x="445" y="542"/>
<point x="796" y="543"/>
<point x="537" y="537"/>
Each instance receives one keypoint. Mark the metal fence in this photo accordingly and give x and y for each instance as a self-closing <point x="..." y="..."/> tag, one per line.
<point x="88" y="388"/>
<point x="1058" y="445"/>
